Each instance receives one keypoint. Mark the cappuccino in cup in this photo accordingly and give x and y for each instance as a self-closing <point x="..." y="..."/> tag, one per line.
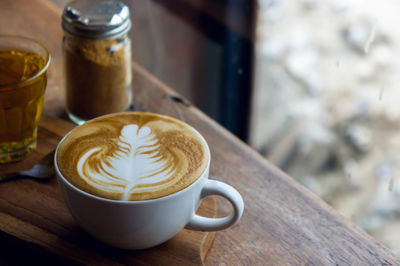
<point x="134" y="180"/>
<point x="133" y="156"/>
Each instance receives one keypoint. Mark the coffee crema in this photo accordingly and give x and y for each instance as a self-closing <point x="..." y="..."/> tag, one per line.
<point x="132" y="156"/>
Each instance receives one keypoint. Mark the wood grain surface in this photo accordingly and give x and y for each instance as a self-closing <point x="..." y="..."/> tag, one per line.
<point x="283" y="223"/>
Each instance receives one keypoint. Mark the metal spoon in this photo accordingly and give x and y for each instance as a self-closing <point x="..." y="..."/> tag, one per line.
<point x="42" y="170"/>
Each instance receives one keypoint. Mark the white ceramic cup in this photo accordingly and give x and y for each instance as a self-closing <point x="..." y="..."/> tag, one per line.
<point x="147" y="223"/>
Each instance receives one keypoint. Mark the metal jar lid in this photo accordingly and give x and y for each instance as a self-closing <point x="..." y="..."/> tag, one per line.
<point x="96" y="19"/>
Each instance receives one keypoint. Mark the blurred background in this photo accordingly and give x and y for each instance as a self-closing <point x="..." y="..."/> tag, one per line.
<point x="326" y="104"/>
<point x="310" y="84"/>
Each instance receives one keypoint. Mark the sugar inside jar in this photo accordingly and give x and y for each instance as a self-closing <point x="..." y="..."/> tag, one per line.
<point x="97" y="58"/>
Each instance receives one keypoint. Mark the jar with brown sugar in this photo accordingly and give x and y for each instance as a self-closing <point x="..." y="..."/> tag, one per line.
<point x="97" y="58"/>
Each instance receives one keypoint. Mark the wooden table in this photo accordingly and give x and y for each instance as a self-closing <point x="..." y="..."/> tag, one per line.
<point x="283" y="223"/>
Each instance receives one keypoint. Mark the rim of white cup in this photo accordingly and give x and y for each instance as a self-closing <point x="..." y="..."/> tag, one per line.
<point x="87" y="194"/>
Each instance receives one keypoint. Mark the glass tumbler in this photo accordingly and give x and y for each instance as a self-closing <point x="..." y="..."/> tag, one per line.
<point x="23" y="79"/>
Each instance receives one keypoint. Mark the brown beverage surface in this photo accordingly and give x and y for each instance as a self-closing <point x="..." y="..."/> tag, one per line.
<point x="132" y="156"/>
<point x="20" y="102"/>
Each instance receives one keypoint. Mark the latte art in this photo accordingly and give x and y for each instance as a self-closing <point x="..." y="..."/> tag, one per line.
<point x="135" y="166"/>
<point x="132" y="156"/>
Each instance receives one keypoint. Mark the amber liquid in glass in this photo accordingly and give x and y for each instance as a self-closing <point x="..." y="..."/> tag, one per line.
<point x="21" y="102"/>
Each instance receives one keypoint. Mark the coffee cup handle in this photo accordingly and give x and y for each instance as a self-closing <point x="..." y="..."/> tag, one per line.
<point x="214" y="187"/>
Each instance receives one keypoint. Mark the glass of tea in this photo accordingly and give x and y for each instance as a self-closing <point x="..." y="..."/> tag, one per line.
<point x="23" y="66"/>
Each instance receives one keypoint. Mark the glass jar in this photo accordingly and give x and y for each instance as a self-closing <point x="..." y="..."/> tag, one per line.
<point x="97" y="58"/>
